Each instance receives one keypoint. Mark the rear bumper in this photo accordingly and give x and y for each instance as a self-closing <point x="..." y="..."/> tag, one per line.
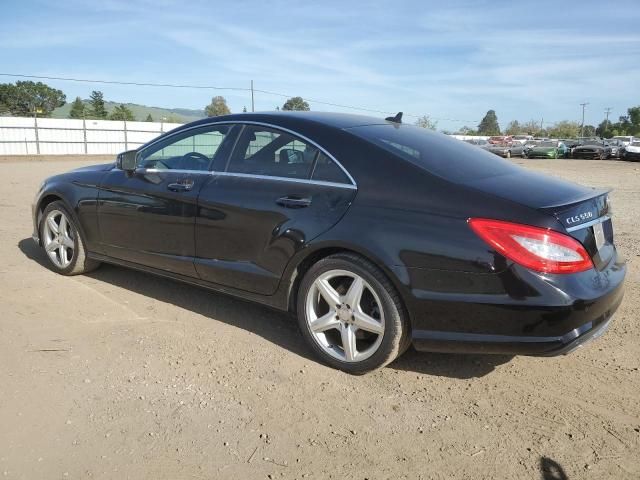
<point x="536" y="314"/>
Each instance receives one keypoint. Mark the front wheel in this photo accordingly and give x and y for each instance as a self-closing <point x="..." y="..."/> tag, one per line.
<point x="351" y="315"/>
<point x="63" y="243"/>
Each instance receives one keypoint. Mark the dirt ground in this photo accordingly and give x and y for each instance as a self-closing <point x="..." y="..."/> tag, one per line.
<point x="120" y="374"/>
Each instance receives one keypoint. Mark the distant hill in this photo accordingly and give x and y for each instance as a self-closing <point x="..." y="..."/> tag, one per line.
<point x="172" y="115"/>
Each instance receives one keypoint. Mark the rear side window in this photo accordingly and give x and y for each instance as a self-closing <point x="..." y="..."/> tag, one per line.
<point x="328" y="171"/>
<point x="446" y="157"/>
<point x="269" y="152"/>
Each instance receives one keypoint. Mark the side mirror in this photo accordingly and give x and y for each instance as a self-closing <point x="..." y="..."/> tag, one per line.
<point x="127" y="161"/>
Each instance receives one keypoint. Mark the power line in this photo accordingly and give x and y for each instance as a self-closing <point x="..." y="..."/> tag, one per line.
<point x="211" y="87"/>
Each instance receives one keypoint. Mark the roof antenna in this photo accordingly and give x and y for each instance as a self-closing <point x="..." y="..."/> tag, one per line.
<point x="396" y="119"/>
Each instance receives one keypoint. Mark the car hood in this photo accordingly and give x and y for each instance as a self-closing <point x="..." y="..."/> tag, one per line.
<point x="589" y="147"/>
<point x="103" y="167"/>
<point x="543" y="149"/>
<point x="534" y="190"/>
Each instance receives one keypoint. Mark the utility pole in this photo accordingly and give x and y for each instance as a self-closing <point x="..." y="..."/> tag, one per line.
<point x="582" y="126"/>
<point x="252" y="104"/>
<point x="607" y="111"/>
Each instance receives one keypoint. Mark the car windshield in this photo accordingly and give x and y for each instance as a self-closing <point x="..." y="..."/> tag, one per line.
<point x="547" y="144"/>
<point x="635" y="144"/>
<point x="592" y="142"/>
<point x="448" y="158"/>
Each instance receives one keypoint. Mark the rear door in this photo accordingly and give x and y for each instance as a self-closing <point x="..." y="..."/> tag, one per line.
<point x="279" y="191"/>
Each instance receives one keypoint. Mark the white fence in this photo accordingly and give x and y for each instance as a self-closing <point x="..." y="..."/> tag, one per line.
<point x="58" y="136"/>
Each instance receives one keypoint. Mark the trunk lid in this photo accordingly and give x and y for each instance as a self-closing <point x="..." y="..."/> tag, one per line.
<point x="584" y="212"/>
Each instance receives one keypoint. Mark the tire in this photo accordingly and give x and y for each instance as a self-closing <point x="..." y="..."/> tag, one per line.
<point x="66" y="251"/>
<point x="378" y="298"/>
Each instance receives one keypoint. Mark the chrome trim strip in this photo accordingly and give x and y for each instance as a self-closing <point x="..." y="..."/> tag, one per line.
<point x="287" y="179"/>
<point x="249" y="122"/>
<point x="169" y="170"/>
<point x="602" y="219"/>
<point x="248" y="175"/>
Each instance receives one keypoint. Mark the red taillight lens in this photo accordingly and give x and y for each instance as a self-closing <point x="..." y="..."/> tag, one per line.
<point x="539" y="249"/>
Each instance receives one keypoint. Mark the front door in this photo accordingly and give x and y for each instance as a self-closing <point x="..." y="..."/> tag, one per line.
<point x="148" y="216"/>
<point x="278" y="192"/>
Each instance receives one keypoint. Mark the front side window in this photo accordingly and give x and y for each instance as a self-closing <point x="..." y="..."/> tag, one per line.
<point x="190" y="150"/>
<point x="269" y="152"/>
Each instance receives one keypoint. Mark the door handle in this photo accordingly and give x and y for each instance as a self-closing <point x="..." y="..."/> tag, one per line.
<point x="183" y="186"/>
<point x="294" y="202"/>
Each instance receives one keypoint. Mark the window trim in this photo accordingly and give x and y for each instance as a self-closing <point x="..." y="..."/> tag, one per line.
<point x="353" y="183"/>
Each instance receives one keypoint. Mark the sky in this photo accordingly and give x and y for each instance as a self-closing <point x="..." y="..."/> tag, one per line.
<point x="450" y="60"/>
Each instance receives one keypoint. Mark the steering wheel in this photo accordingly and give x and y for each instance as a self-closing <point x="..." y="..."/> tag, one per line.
<point x="194" y="161"/>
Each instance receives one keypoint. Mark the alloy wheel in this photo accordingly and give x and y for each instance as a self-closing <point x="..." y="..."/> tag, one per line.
<point x="344" y="316"/>
<point x="58" y="239"/>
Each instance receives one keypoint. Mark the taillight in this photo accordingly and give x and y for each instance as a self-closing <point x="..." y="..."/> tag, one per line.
<point x="539" y="249"/>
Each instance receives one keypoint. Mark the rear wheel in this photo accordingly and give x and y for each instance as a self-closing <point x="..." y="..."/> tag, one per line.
<point x="63" y="243"/>
<point x="351" y="315"/>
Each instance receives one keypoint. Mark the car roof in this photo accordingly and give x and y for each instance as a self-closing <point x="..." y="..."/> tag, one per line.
<point x="330" y="119"/>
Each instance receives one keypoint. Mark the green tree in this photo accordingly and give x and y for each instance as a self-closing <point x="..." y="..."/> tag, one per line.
<point x="589" y="131"/>
<point x="634" y="119"/>
<point x="605" y="129"/>
<point x="426" y="122"/>
<point x="149" y="118"/>
<point x="296" y="103"/>
<point x="466" y="131"/>
<point x="217" y="107"/>
<point x="98" y="109"/>
<point x="77" y="109"/>
<point x="5" y="90"/>
<point x="564" y="129"/>
<point x="489" y="124"/>
<point x="121" y="112"/>
<point x="27" y="98"/>
<point x="513" y="128"/>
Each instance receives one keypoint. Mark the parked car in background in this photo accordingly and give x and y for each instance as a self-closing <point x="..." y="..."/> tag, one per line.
<point x="625" y="139"/>
<point x="548" y="149"/>
<point x="477" y="141"/>
<point x="631" y="152"/>
<point x="616" y="147"/>
<point x="498" y="139"/>
<point x="506" y="149"/>
<point x="596" y="149"/>
<point x="523" y="139"/>
<point x="570" y="143"/>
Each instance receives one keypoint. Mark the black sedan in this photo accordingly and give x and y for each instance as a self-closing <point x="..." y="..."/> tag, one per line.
<point x="377" y="235"/>
<point x="595" y="149"/>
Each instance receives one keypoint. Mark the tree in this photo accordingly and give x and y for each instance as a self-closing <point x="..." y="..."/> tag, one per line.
<point x="634" y="119"/>
<point x="217" y="107"/>
<point x="489" y="124"/>
<point x="149" y="118"/>
<point x="98" y="109"/>
<point x="605" y="129"/>
<point x="466" y="131"/>
<point x="121" y="112"/>
<point x="296" y="103"/>
<point x="589" y="131"/>
<point x="244" y="109"/>
<point x="5" y="90"/>
<point x="513" y="128"/>
<point x="77" y="109"/>
<point x="564" y="129"/>
<point x="426" y="122"/>
<point x="28" y="98"/>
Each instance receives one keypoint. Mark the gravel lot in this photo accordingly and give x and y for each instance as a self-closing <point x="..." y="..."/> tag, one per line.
<point x="123" y="375"/>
